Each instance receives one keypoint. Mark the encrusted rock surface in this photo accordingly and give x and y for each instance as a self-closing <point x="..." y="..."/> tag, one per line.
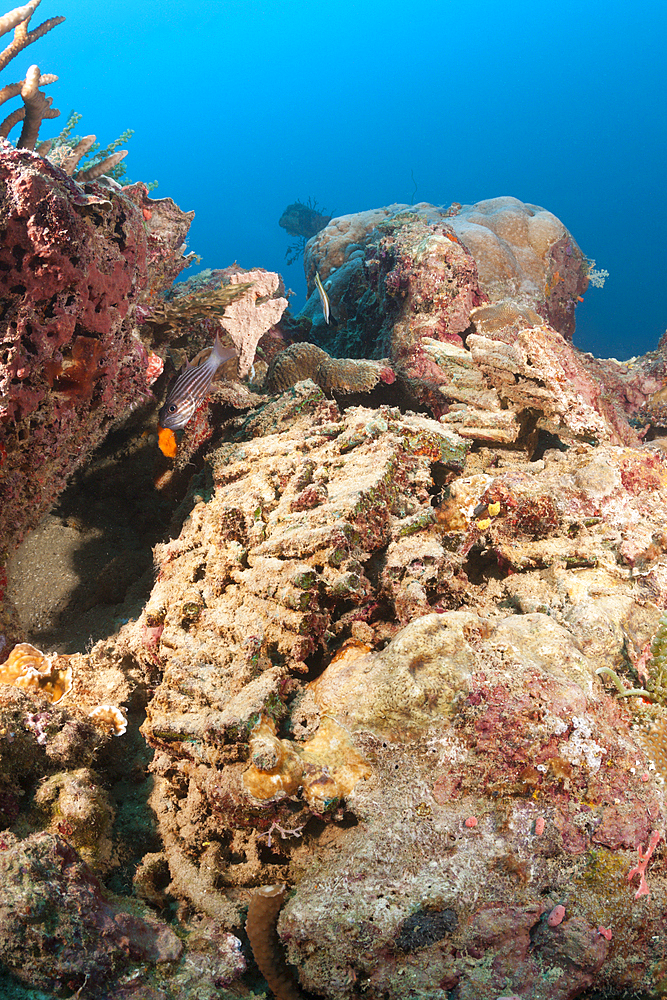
<point x="87" y="937"/>
<point x="490" y="775"/>
<point x="74" y="263"/>
<point x="368" y="665"/>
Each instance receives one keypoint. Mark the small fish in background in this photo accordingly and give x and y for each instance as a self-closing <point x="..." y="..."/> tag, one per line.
<point x="187" y="392"/>
<point x="324" y="298"/>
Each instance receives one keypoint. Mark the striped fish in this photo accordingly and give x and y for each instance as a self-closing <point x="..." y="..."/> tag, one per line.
<point x="326" y="308"/>
<point x="191" y="387"/>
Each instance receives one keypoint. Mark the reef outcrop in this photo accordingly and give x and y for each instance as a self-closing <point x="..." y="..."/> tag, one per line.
<point x="399" y="273"/>
<point x="379" y="655"/>
<point x="75" y="262"/>
<point x="397" y="670"/>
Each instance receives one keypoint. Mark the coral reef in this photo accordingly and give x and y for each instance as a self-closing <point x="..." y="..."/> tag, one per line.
<point x="401" y="671"/>
<point x="88" y="936"/>
<point x="397" y="274"/>
<point x="514" y="791"/>
<point x="75" y="264"/>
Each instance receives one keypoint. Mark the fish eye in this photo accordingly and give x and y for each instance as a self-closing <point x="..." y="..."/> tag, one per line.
<point x="172" y="408"/>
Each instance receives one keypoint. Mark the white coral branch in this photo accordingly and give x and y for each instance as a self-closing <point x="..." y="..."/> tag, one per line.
<point x="16" y="16"/>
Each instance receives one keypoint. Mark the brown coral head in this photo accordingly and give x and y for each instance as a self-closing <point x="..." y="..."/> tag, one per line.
<point x="263" y="911"/>
<point x="28" y="668"/>
<point x="493" y="317"/>
<point x="269" y="891"/>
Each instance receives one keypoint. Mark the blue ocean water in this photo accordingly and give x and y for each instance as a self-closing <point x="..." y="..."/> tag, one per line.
<point x="240" y="107"/>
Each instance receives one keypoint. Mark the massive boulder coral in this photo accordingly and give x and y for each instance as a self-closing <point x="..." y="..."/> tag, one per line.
<point x="420" y="285"/>
<point x="403" y="272"/>
<point x="401" y="276"/>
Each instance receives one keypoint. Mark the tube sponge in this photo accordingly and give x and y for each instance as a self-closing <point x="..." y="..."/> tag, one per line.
<point x="263" y="911"/>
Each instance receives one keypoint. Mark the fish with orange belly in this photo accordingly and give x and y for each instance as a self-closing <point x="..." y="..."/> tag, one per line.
<point x="187" y="392"/>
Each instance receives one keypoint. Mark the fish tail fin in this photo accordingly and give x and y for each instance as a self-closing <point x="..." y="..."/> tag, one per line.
<point x="221" y="354"/>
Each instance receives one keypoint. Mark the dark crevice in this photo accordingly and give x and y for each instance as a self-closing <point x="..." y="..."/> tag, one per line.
<point x="482" y="566"/>
<point x="18" y="254"/>
<point x="545" y="442"/>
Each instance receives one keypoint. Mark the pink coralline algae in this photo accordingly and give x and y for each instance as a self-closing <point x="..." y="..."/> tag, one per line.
<point x="640" y="867"/>
<point x="154" y="368"/>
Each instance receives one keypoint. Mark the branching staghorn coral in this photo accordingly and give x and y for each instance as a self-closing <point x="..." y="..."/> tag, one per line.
<point x="68" y="157"/>
<point x="19" y="19"/>
<point x="67" y="151"/>
<point x="36" y="107"/>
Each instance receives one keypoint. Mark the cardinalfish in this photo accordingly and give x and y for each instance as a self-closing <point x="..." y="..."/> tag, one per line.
<point x="324" y="298"/>
<point x="187" y="392"/>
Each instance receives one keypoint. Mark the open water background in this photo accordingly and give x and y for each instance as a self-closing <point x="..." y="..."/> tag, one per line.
<point x="240" y="107"/>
